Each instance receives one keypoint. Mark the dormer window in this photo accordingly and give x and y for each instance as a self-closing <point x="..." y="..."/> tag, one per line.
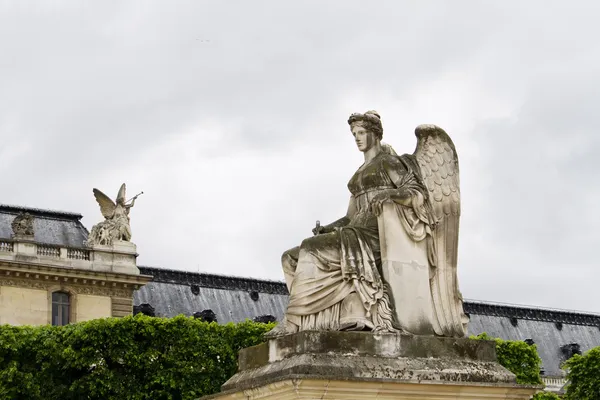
<point x="61" y="308"/>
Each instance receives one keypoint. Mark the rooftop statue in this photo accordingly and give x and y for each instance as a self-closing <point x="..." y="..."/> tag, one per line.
<point x="116" y="223"/>
<point x="22" y="225"/>
<point x="388" y="265"/>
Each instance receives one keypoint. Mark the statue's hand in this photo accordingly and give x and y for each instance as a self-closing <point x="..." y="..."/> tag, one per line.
<point x="319" y="230"/>
<point x="379" y="199"/>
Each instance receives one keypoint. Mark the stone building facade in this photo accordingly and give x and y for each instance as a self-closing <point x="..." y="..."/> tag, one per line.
<point x="49" y="276"/>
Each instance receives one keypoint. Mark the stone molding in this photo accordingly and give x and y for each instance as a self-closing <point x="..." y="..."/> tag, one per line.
<point x="301" y="388"/>
<point x="81" y="281"/>
<point x="100" y="290"/>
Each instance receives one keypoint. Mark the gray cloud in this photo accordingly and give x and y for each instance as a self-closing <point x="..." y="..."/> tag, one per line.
<point x="231" y="117"/>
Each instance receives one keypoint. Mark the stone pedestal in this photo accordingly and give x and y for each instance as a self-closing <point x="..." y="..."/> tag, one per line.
<point x="362" y="365"/>
<point x="120" y="257"/>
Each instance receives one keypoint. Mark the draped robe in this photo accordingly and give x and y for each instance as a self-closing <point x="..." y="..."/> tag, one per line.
<point x="337" y="283"/>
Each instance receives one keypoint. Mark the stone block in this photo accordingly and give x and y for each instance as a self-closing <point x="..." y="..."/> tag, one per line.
<point x="363" y="365"/>
<point x="120" y="257"/>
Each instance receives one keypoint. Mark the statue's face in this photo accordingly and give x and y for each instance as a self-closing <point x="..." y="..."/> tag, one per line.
<point x="364" y="138"/>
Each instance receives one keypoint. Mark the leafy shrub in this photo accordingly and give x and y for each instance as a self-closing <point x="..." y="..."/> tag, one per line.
<point x="583" y="375"/>
<point x="545" y="396"/>
<point x="519" y="358"/>
<point x="122" y="358"/>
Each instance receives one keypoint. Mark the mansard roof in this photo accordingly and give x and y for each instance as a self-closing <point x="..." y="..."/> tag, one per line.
<point x="231" y="298"/>
<point x="50" y="227"/>
<point x="235" y="299"/>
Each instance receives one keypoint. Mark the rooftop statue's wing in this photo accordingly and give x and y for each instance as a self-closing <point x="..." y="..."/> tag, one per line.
<point x="121" y="195"/>
<point x="438" y="162"/>
<point x="107" y="206"/>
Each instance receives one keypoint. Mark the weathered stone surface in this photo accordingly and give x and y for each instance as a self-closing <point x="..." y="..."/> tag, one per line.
<point x="363" y="365"/>
<point x="367" y="356"/>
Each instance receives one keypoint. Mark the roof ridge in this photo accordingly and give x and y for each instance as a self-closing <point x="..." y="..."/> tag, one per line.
<point x="40" y="211"/>
<point x="530" y="307"/>
<point x="179" y="271"/>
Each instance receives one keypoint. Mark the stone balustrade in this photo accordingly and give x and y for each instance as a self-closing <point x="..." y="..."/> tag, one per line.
<point x="553" y="384"/>
<point x="48" y="251"/>
<point x="6" y="246"/>
<point x="120" y="257"/>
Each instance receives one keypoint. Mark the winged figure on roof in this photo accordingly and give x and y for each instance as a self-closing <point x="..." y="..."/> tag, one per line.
<point x="116" y="223"/>
<point x="389" y="264"/>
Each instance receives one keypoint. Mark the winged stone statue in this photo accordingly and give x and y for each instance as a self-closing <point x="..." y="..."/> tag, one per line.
<point x="389" y="264"/>
<point x="116" y="214"/>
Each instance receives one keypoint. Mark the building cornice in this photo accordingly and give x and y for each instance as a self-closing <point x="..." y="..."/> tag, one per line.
<point x="82" y="281"/>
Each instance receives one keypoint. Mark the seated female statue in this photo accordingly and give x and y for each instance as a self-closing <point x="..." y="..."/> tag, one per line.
<point x="334" y="278"/>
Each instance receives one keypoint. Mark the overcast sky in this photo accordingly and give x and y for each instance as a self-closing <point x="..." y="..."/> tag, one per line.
<point x="231" y="117"/>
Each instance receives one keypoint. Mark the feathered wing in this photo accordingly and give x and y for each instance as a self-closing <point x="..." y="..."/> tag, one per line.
<point x="121" y="195"/>
<point x="107" y="206"/>
<point x="438" y="162"/>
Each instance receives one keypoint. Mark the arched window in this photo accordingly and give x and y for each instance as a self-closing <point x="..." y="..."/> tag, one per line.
<point x="61" y="308"/>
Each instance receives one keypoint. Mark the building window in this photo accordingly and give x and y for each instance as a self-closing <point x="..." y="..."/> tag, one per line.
<point x="61" y="304"/>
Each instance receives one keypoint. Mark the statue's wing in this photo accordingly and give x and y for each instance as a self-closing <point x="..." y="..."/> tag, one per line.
<point x="438" y="162"/>
<point x="107" y="206"/>
<point x="121" y="194"/>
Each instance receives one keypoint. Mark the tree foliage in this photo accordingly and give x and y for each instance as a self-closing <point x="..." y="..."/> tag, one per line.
<point x="519" y="358"/>
<point x="122" y="358"/>
<point x="583" y="375"/>
<point x="545" y="396"/>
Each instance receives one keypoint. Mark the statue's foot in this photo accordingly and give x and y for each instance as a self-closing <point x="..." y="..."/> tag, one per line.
<point x="281" y="329"/>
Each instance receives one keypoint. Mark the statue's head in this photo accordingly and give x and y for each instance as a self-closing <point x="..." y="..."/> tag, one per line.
<point x="366" y="129"/>
<point x="121" y="201"/>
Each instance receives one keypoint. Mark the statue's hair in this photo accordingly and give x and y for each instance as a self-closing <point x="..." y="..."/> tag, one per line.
<point x="369" y="120"/>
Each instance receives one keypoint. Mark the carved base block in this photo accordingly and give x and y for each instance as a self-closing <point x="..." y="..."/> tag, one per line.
<point x="118" y="258"/>
<point x="362" y="365"/>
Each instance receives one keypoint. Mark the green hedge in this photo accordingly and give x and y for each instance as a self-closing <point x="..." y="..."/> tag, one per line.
<point x="583" y="374"/>
<point x="545" y="396"/>
<point x="178" y="358"/>
<point x="519" y="358"/>
<point x="122" y="358"/>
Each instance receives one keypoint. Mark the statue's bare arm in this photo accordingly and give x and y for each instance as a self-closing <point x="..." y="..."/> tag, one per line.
<point x="340" y="222"/>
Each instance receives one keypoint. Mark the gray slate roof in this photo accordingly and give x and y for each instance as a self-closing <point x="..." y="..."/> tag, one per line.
<point x="50" y="227"/>
<point x="549" y="329"/>
<point x="230" y="299"/>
